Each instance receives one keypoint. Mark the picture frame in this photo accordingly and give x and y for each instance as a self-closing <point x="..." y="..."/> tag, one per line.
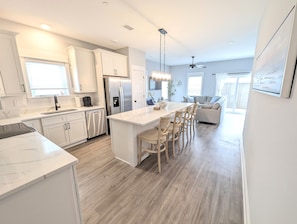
<point x="274" y="68"/>
<point x="155" y="85"/>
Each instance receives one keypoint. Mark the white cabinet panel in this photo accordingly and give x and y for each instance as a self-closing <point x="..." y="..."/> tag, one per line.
<point x="82" y="62"/>
<point x="57" y="133"/>
<point x="10" y="67"/>
<point x="65" y="130"/>
<point x="36" y="124"/>
<point x="54" y="199"/>
<point x="77" y="130"/>
<point x="114" y="64"/>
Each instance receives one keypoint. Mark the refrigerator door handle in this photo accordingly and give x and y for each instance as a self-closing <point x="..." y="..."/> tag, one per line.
<point x="122" y="104"/>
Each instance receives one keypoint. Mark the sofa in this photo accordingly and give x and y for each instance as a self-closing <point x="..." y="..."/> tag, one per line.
<point x="210" y="108"/>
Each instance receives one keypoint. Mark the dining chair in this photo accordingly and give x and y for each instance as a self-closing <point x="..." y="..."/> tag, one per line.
<point x="193" y="120"/>
<point x="186" y="119"/>
<point x="157" y="138"/>
<point x="175" y="129"/>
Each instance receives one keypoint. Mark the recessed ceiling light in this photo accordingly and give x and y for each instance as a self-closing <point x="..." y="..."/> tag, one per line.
<point x="231" y="42"/>
<point x="114" y="41"/>
<point x="45" y="26"/>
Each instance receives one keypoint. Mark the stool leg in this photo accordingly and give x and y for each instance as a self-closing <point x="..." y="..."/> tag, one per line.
<point x="166" y="150"/>
<point x="159" y="159"/>
<point x="173" y="144"/>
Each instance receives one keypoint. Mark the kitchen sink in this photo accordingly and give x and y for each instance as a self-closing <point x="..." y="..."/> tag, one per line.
<point x="58" y="111"/>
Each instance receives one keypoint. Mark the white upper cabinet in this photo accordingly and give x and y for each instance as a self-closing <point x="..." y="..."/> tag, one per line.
<point x="82" y="64"/>
<point x="114" y="64"/>
<point x="10" y="66"/>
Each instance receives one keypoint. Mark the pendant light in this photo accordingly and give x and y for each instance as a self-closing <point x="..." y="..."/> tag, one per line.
<point x="161" y="75"/>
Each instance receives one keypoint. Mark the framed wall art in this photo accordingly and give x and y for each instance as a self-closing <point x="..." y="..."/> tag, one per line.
<point x="275" y="66"/>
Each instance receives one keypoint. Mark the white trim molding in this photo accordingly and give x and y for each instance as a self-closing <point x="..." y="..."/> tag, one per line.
<point x="246" y="208"/>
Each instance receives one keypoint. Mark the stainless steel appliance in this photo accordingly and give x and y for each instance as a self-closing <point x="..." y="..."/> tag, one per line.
<point x="87" y="101"/>
<point x="96" y="122"/>
<point x="118" y="95"/>
<point x="11" y="130"/>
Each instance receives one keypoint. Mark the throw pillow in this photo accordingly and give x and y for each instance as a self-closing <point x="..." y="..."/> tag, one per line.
<point x="216" y="106"/>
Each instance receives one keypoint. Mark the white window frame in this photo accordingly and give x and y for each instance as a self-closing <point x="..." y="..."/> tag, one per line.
<point x="26" y="78"/>
<point x="199" y="74"/>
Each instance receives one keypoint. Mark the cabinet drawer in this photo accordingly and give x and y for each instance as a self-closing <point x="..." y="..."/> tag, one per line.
<point x="53" y="120"/>
<point x="75" y="116"/>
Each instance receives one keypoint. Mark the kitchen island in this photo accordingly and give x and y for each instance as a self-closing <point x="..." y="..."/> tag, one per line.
<point x="124" y="128"/>
<point x="37" y="182"/>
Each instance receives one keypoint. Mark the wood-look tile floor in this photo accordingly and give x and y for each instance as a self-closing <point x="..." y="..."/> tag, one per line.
<point x="202" y="185"/>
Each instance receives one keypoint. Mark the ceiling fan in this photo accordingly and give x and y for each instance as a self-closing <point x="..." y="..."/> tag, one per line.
<point x="196" y="65"/>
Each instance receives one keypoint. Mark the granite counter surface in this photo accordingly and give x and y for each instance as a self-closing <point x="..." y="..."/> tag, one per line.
<point x="28" y="158"/>
<point x="146" y="115"/>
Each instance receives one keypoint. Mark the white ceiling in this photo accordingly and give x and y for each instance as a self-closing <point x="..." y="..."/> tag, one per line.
<point x="203" y="28"/>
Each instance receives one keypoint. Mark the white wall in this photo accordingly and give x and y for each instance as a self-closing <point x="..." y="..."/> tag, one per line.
<point x="209" y="81"/>
<point x="32" y="42"/>
<point x="270" y="142"/>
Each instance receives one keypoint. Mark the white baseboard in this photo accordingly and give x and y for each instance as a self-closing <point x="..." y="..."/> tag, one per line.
<point x="246" y="208"/>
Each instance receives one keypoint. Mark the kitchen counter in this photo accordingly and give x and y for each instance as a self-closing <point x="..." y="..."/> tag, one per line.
<point x="37" y="182"/>
<point x="27" y="158"/>
<point x="125" y="127"/>
<point x="38" y="115"/>
<point x="146" y="115"/>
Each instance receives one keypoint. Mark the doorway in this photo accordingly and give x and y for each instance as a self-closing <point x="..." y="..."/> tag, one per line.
<point x="236" y="91"/>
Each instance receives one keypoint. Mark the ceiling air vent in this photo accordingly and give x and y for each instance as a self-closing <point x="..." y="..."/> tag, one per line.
<point x="128" y="27"/>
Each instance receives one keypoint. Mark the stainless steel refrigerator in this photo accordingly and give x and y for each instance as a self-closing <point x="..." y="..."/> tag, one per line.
<point x="118" y="95"/>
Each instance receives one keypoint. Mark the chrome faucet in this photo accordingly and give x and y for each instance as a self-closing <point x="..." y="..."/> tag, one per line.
<point x="57" y="105"/>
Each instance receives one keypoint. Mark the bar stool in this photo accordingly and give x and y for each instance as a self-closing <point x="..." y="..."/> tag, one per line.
<point x="186" y="121"/>
<point x="192" y="119"/>
<point x="158" y="140"/>
<point x="175" y="129"/>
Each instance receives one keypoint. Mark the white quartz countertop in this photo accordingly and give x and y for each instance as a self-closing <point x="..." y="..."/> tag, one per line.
<point x="28" y="158"/>
<point x="146" y="115"/>
<point x="38" y="115"/>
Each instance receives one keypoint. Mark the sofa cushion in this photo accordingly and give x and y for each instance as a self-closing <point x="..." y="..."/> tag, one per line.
<point x="200" y="99"/>
<point x="208" y="99"/>
<point x="206" y="106"/>
<point x="214" y="99"/>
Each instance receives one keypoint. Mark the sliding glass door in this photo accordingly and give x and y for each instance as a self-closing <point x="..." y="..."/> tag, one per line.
<point x="236" y="91"/>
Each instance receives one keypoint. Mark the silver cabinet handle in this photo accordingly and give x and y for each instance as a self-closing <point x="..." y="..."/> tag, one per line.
<point x="68" y="125"/>
<point x="65" y="126"/>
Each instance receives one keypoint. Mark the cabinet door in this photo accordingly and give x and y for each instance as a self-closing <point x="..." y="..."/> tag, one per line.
<point x="77" y="130"/>
<point x="107" y="63"/>
<point x="83" y="70"/>
<point x="120" y="65"/>
<point x="10" y="66"/>
<point x="57" y="133"/>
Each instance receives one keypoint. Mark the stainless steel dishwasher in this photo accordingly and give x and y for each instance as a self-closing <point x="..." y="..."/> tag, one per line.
<point x="96" y="122"/>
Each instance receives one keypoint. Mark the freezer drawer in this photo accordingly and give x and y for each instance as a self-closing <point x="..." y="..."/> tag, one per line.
<point x="96" y="122"/>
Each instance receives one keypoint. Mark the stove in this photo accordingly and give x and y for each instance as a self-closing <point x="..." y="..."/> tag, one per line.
<point x="11" y="130"/>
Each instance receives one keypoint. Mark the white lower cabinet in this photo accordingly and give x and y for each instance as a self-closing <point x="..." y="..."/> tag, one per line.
<point x="34" y="123"/>
<point x="65" y="130"/>
<point x="53" y="199"/>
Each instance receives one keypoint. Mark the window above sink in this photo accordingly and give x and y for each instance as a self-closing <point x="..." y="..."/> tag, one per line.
<point x="46" y="78"/>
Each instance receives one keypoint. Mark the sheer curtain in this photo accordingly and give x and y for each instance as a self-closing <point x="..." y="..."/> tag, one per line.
<point x="220" y="81"/>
